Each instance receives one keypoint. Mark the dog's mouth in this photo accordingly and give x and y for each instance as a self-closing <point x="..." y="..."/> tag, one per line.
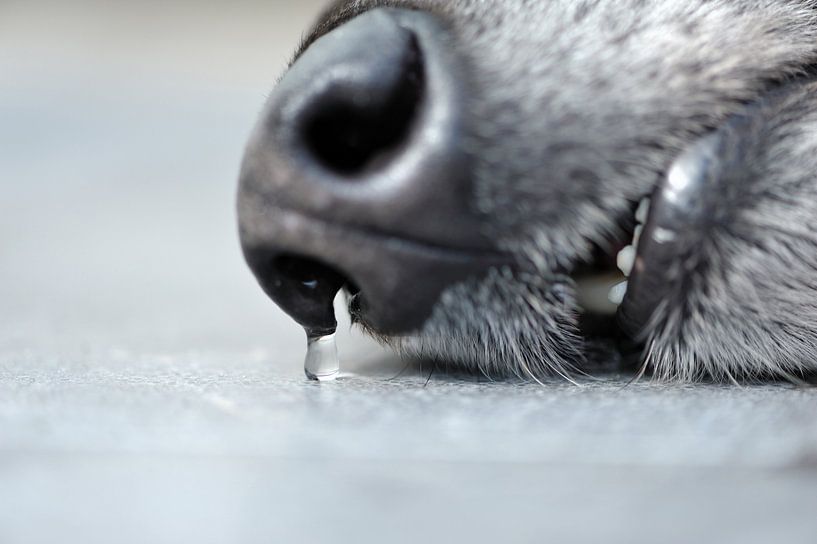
<point x="661" y="244"/>
<point x="601" y="283"/>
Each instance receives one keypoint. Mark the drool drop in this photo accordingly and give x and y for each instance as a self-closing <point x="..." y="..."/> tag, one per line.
<point x="322" y="363"/>
<point x="306" y="289"/>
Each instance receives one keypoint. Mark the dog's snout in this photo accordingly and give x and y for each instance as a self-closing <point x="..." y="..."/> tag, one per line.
<point x="357" y="164"/>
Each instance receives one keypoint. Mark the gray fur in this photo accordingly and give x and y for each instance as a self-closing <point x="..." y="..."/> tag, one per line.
<point x="578" y="109"/>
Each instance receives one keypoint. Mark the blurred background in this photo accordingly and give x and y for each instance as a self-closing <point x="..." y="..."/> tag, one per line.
<point x="149" y="392"/>
<point x="122" y="126"/>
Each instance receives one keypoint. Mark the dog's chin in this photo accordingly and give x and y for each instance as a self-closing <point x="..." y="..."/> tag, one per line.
<point x="509" y="324"/>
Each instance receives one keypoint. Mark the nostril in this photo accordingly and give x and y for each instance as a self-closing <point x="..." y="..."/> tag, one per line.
<point x="303" y="287"/>
<point x="350" y="131"/>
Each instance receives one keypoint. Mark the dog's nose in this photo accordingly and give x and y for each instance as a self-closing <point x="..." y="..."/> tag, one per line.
<point x="357" y="175"/>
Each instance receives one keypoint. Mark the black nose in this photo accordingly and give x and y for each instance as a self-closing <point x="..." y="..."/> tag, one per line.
<point x="356" y="175"/>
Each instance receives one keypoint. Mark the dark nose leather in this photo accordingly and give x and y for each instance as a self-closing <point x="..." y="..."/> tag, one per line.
<point x="356" y="175"/>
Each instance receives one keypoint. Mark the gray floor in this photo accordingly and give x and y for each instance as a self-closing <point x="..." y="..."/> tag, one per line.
<point x="149" y="392"/>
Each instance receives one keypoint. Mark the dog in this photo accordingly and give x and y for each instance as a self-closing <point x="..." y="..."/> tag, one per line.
<point x="517" y="186"/>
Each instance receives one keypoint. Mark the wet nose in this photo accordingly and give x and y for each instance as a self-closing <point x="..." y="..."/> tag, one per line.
<point x="356" y="175"/>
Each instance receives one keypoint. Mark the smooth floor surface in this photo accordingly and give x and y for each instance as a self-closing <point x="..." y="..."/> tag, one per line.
<point x="150" y="393"/>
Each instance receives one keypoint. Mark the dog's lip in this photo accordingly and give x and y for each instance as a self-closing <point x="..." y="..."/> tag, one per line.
<point x="680" y="211"/>
<point x="400" y="278"/>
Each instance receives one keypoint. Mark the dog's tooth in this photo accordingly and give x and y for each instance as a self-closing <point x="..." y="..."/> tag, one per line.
<point x="617" y="292"/>
<point x="643" y="210"/>
<point x="637" y="234"/>
<point x="592" y="292"/>
<point x="625" y="259"/>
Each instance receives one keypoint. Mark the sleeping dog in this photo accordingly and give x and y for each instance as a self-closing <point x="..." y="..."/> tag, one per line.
<point x="509" y="186"/>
